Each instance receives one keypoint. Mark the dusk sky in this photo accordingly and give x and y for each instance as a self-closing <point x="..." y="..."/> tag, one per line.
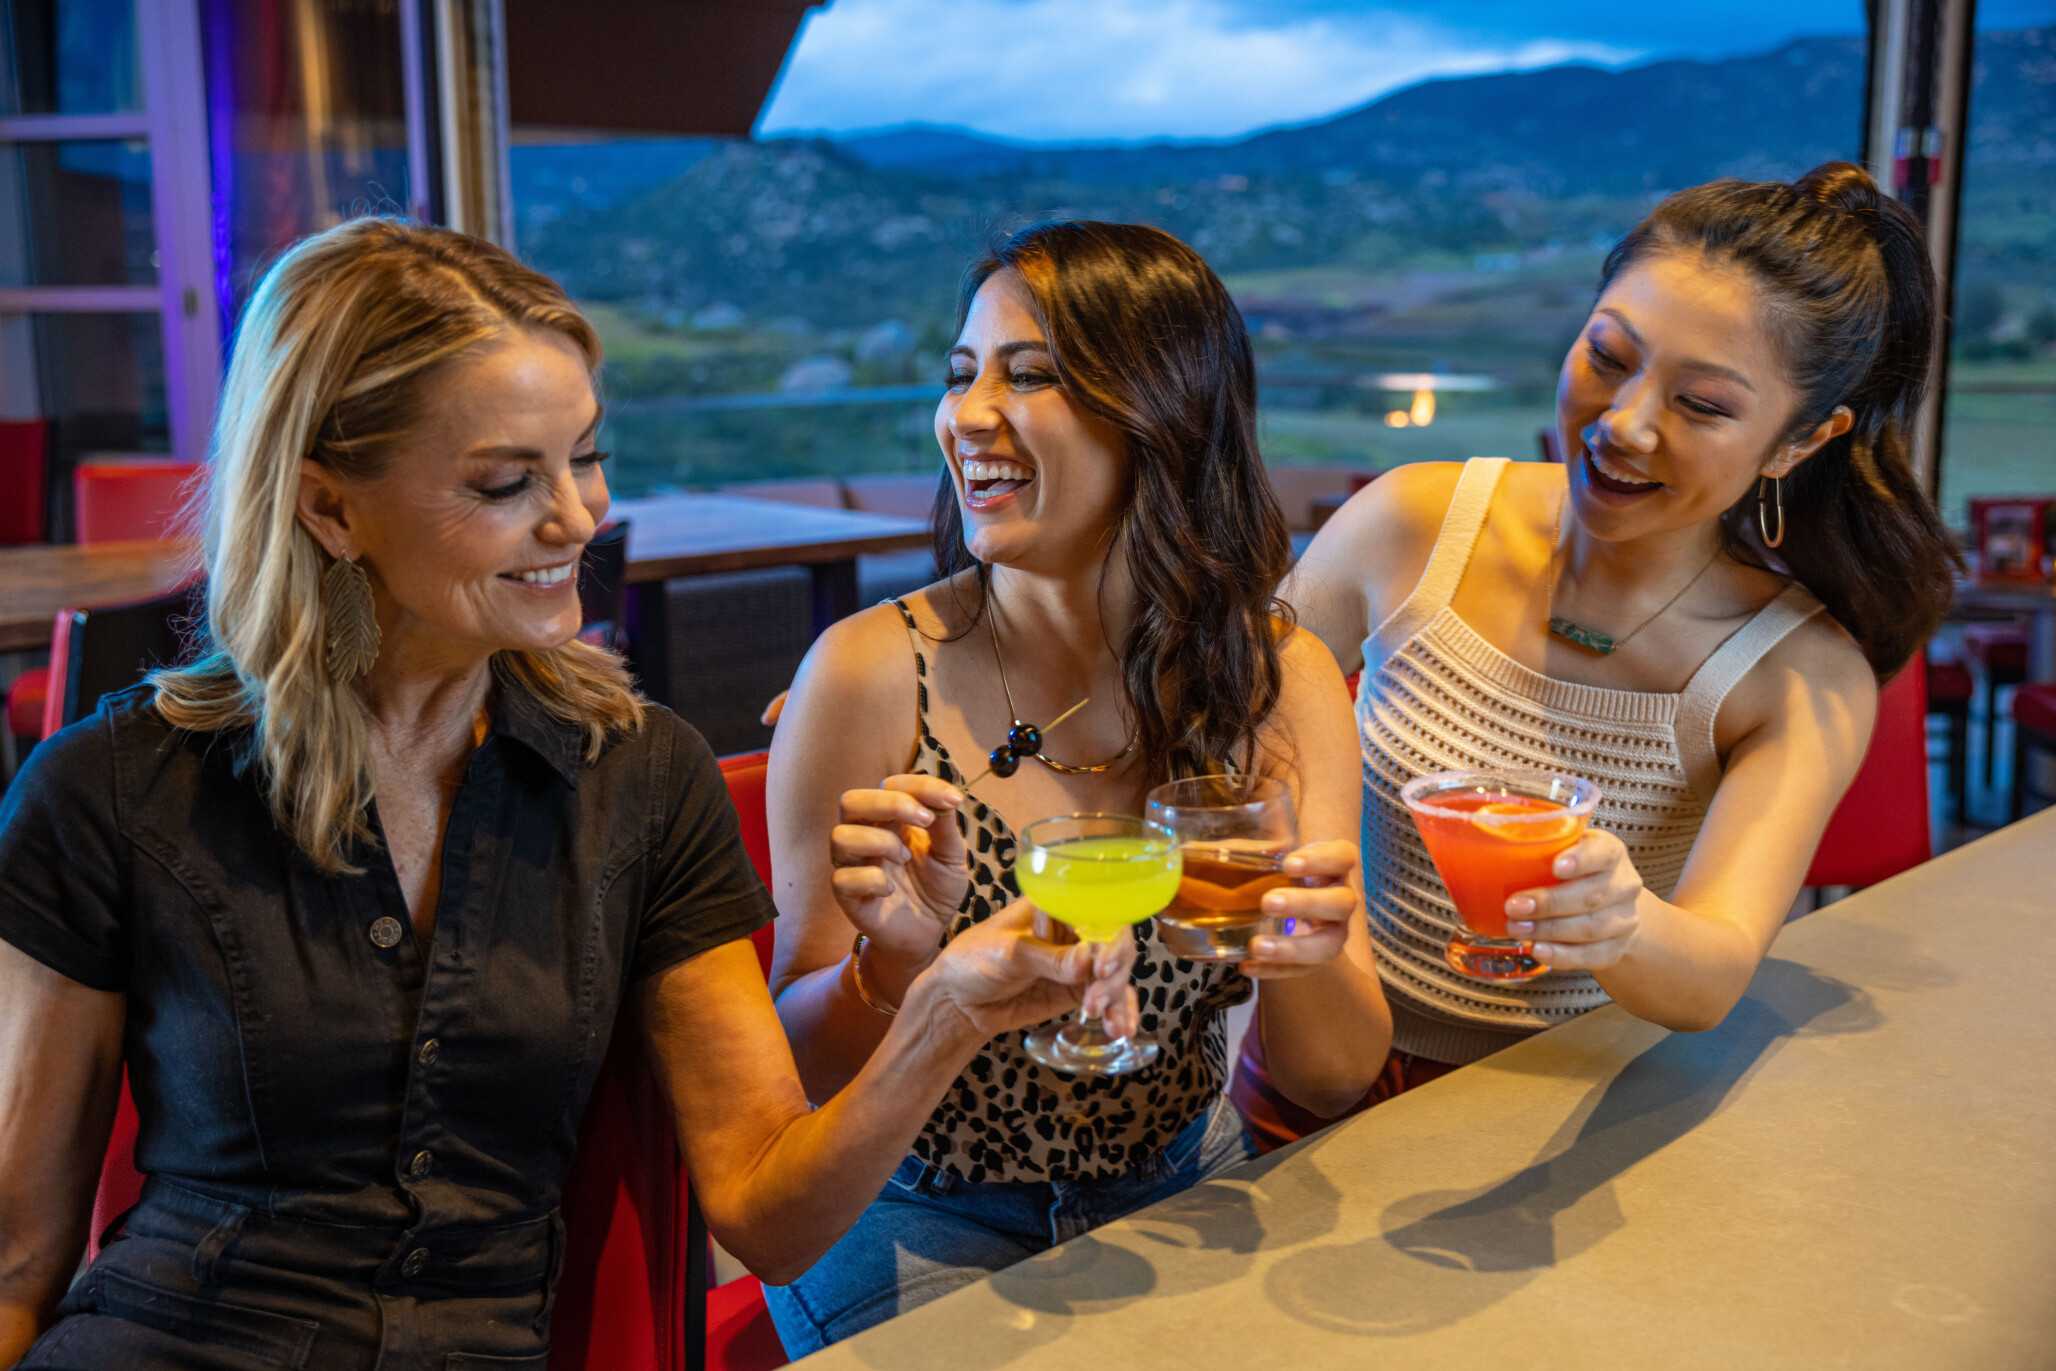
<point x="1123" y="69"/>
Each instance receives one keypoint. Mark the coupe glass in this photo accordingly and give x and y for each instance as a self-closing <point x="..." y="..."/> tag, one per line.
<point x="1098" y="874"/>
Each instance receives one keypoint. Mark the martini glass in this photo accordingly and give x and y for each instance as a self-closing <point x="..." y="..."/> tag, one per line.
<point x="1493" y="834"/>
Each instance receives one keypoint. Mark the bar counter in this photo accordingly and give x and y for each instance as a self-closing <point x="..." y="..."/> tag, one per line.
<point x="1857" y="1169"/>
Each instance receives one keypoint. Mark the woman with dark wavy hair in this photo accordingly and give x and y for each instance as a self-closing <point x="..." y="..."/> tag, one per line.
<point x="1108" y="533"/>
<point x="1694" y="612"/>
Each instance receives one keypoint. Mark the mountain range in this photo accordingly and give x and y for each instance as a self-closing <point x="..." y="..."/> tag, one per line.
<point x="844" y="231"/>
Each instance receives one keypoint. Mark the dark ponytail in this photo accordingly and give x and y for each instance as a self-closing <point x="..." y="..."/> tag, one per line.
<point x="1851" y="297"/>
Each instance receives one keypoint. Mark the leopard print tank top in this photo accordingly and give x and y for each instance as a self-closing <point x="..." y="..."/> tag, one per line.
<point x="1008" y="1117"/>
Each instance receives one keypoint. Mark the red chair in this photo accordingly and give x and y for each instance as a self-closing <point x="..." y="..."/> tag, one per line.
<point x="24" y="463"/>
<point x="740" y="1336"/>
<point x="118" y="498"/>
<point x="1881" y="826"/>
<point x="2034" y="734"/>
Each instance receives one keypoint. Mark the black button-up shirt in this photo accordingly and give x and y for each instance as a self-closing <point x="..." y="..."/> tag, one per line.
<point x="291" y="1044"/>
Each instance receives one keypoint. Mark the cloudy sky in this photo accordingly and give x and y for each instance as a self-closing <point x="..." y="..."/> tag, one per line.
<point x="1116" y="69"/>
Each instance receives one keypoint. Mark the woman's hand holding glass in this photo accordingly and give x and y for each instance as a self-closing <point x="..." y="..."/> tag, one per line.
<point x="1586" y="921"/>
<point x="1319" y="905"/>
<point x="998" y="976"/>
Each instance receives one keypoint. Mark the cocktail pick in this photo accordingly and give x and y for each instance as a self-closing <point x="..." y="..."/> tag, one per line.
<point x="1023" y="740"/>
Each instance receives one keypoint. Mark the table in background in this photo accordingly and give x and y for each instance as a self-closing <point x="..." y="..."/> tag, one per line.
<point x="39" y="579"/>
<point x="690" y="535"/>
<point x="1858" y="1168"/>
<point x="2035" y="602"/>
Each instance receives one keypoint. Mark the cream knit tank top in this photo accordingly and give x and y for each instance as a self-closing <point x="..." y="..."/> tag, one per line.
<point x="1436" y="696"/>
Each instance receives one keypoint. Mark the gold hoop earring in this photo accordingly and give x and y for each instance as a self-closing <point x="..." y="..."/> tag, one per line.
<point x="352" y="636"/>
<point x="1777" y="488"/>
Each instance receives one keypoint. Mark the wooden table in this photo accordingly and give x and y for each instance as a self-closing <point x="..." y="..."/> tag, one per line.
<point x="1857" y="1169"/>
<point x="39" y="580"/>
<point x="690" y="535"/>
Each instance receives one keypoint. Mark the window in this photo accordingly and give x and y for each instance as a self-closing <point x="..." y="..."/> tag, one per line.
<point x="2000" y="411"/>
<point x="1410" y="206"/>
<point x="103" y="238"/>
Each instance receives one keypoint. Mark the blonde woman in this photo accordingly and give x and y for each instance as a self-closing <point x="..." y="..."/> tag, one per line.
<point x="358" y="896"/>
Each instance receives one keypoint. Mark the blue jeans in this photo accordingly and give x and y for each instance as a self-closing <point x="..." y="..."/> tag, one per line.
<point x="930" y="1232"/>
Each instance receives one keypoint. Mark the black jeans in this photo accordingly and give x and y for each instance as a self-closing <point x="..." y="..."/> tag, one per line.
<point x="191" y="1282"/>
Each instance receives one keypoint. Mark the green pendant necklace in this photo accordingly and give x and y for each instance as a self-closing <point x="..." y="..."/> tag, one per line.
<point x="1593" y="640"/>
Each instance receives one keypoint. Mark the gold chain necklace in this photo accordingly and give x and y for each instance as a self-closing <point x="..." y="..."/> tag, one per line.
<point x="1591" y="639"/>
<point x="1014" y="712"/>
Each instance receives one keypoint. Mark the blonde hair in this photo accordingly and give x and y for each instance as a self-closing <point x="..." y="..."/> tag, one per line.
<point x="333" y="361"/>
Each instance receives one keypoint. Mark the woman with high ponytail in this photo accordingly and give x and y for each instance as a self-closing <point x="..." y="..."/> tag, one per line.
<point x="1694" y="612"/>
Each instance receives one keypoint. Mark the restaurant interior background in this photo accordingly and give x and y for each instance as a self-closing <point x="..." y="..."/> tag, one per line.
<point x="765" y="206"/>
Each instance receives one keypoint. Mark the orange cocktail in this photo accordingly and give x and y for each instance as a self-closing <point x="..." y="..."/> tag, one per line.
<point x="1493" y="834"/>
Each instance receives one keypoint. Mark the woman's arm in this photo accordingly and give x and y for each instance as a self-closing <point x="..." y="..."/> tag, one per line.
<point x="846" y="727"/>
<point x="779" y="1181"/>
<point x="1805" y="717"/>
<point x="1325" y="1024"/>
<point x="60" y="1077"/>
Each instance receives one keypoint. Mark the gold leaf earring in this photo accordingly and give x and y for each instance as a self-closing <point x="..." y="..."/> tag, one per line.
<point x="351" y="620"/>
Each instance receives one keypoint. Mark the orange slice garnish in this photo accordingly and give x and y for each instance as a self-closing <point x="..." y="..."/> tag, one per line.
<point x="1518" y="822"/>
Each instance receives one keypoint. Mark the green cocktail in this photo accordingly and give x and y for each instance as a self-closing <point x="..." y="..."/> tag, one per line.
<point x="1099" y="886"/>
<point x="1098" y="874"/>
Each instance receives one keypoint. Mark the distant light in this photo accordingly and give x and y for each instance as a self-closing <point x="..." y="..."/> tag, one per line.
<point x="1427" y="380"/>
<point x="1423" y="411"/>
<point x="1396" y="418"/>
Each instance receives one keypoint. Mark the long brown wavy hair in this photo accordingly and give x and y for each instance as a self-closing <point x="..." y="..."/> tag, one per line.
<point x="1143" y="334"/>
<point x="1851" y="298"/>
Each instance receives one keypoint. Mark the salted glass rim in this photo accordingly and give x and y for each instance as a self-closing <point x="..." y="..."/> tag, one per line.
<point x="1525" y="782"/>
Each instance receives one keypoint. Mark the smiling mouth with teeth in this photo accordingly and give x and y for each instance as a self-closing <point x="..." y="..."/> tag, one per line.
<point x="1614" y="478"/>
<point x="988" y="483"/>
<point x="547" y="576"/>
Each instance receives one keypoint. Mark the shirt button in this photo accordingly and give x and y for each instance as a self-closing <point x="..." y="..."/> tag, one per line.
<point x="430" y="1050"/>
<point x="386" y="932"/>
<point x="421" y="1165"/>
<point x="416" y="1263"/>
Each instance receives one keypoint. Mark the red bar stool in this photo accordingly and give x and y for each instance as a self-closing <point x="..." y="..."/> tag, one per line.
<point x="1998" y="654"/>
<point x="1881" y="826"/>
<point x="2034" y="735"/>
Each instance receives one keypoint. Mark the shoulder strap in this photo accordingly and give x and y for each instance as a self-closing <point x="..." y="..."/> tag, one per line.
<point x="920" y="667"/>
<point x="1461" y="524"/>
<point x="1700" y="702"/>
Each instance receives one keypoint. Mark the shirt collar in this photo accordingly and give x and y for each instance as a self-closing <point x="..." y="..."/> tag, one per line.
<point x="518" y="715"/>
